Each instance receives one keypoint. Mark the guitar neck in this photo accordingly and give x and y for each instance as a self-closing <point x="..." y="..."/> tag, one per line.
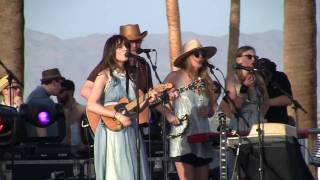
<point x="135" y="102"/>
<point x="223" y="155"/>
<point x="195" y="85"/>
<point x="223" y="147"/>
<point x="180" y="90"/>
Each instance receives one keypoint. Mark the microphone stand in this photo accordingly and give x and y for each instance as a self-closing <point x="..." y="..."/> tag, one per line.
<point x="154" y="66"/>
<point x="164" y="132"/>
<point x="11" y="77"/>
<point x="238" y="115"/>
<point x="165" y="145"/>
<point x="295" y="104"/>
<point x="259" y="130"/>
<point x="137" y="66"/>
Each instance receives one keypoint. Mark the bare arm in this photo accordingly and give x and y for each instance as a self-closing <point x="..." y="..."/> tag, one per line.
<point x="86" y="89"/>
<point x="166" y="109"/>
<point x="282" y="100"/>
<point x="238" y="99"/>
<point x="95" y="96"/>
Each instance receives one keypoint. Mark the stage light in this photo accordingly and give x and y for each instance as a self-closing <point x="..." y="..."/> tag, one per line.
<point x="4" y="126"/>
<point x="44" y="121"/>
<point x="44" y="118"/>
<point x="8" y="116"/>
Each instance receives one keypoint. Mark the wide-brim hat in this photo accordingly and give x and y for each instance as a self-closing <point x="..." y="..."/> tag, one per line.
<point x="51" y="74"/>
<point x="192" y="46"/>
<point x="4" y="82"/>
<point x="132" y="32"/>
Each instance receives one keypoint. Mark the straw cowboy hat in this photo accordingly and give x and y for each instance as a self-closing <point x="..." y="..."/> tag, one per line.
<point x="132" y="32"/>
<point x="192" y="46"/>
<point x="51" y="74"/>
<point x="4" y="82"/>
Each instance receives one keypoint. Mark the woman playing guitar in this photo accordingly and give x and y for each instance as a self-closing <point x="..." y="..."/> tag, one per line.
<point x="115" y="152"/>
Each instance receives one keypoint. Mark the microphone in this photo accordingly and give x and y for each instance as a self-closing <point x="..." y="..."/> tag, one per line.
<point x="250" y="69"/>
<point x="130" y="55"/>
<point x="211" y="66"/>
<point x="139" y="50"/>
<point x="313" y="130"/>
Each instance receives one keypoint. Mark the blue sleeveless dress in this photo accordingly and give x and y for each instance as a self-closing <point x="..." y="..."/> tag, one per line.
<point x="115" y="153"/>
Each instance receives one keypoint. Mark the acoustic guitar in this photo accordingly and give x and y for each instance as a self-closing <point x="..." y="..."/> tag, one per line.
<point x="125" y="107"/>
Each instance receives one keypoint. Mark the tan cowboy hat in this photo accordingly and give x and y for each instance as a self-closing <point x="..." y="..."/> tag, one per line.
<point x="4" y="82"/>
<point x="51" y="74"/>
<point x="192" y="46"/>
<point x="132" y="32"/>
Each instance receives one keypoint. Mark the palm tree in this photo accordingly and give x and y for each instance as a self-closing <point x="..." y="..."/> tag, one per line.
<point x="173" y="19"/>
<point x="233" y="32"/>
<point x="300" y="57"/>
<point x="12" y="36"/>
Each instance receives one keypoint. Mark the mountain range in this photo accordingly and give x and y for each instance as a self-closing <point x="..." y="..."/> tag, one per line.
<point x="76" y="57"/>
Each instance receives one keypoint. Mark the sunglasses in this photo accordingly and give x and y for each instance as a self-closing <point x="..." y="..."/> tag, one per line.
<point x="249" y="56"/>
<point x="136" y="41"/>
<point x="197" y="54"/>
<point x="14" y="87"/>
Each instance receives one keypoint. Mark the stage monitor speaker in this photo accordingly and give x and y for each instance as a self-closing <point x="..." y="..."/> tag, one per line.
<point x="282" y="160"/>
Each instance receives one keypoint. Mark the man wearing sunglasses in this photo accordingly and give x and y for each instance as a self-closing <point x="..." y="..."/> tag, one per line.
<point x="14" y="90"/>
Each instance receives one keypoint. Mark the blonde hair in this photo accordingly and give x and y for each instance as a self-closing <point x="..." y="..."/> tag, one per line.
<point x="202" y="73"/>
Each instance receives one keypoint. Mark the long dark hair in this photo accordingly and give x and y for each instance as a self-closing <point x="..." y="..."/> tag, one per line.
<point x="109" y="52"/>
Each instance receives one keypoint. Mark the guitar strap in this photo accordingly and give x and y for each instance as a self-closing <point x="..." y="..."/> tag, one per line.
<point x="127" y="82"/>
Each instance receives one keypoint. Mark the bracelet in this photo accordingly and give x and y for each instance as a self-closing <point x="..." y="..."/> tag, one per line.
<point x="243" y="89"/>
<point x="118" y="116"/>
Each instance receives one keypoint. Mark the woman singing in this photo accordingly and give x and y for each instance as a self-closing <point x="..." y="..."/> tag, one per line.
<point x="192" y="161"/>
<point x="115" y="153"/>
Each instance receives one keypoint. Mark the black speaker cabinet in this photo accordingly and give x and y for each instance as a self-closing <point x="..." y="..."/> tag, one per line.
<point x="282" y="159"/>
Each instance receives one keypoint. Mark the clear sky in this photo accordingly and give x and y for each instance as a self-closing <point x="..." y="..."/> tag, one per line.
<point x="74" y="18"/>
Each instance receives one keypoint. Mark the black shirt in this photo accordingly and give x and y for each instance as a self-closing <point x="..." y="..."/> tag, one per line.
<point x="279" y="81"/>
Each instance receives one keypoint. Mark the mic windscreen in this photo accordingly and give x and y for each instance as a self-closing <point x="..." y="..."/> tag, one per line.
<point x="236" y="66"/>
<point x="139" y="51"/>
<point x="130" y="55"/>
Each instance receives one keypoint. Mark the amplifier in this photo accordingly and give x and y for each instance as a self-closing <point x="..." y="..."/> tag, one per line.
<point x="48" y="169"/>
<point x="233" y="142"/>
<point x="282" y="159"/>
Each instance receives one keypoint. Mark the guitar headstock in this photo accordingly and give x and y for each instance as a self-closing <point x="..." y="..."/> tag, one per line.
<point x="197" y="84"/>
<point x="162" y="87"/>
<point x="222" y="120"/>
<point x="222" y="117"/>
